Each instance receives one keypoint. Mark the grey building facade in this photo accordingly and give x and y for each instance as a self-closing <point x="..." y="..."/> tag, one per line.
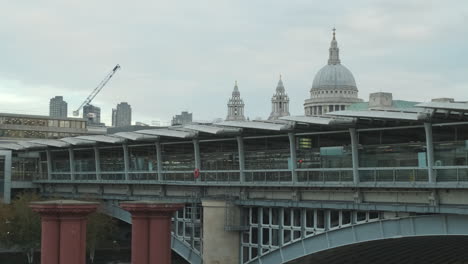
<point x="183" y="119"/>
<point x="58" y="107"/>
<point x="122" y="115"/>
<point x="20" y="126"/>
<point x="92" y="114"/>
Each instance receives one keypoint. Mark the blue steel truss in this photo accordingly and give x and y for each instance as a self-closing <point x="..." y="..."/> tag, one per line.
<point x="419" y="226"/>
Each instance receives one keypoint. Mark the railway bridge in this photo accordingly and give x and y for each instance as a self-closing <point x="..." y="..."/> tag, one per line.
<point x="369" y="185"/>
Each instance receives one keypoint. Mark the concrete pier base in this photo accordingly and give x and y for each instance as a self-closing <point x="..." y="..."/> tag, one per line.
<point x="219" y="246"/>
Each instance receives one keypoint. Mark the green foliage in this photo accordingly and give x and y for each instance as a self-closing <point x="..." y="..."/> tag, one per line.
<point x="100" y="231"/>
<point x="20" y="227"/>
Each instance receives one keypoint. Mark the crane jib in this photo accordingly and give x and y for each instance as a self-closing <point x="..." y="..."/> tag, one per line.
<point x="97" y="90"/>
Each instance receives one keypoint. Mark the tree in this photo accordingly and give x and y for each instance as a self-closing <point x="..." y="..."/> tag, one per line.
<point x="20" y="227"/>
<point x="100" y="232"/>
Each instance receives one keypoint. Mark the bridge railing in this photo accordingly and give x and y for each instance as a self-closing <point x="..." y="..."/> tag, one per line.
<point x="394" y="174"/>
<point x="451" y="173"/>
<point x="220" y="176"/>
<point x="325" y="175"/>
<point x="112" y="176"/>
<point x="178" y="176"/>
<point x="143" y="175"/>
<point x="308" y="175"/>
<point x="85" y="176"/>
<point x="277" y="175"/>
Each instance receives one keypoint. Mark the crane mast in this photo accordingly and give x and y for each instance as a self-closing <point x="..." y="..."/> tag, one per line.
<point x="96" y="90"/>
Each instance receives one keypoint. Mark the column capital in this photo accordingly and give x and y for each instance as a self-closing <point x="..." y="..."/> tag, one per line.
<point x="64" y="208"/>
<point x="151" y="208"/>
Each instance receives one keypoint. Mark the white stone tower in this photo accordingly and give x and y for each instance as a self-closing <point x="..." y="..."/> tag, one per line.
<point x="235" y="106"/>
<point x="279" y="102"/>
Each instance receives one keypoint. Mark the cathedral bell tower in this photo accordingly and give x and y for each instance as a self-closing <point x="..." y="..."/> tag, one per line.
<point x="279" y="102"/>
<point x="235" y="106"/>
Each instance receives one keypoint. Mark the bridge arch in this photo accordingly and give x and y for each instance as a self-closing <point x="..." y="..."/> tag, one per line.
<point x="419" y="226"/>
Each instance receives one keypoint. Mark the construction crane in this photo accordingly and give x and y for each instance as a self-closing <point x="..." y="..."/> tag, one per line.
<point x="96" y="90"/>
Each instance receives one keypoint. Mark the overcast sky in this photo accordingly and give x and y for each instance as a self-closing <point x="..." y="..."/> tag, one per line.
<point x="186" y="55"/>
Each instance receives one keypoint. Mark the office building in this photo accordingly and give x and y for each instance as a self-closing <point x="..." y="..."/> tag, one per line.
<point x="182" y="119"/>
<point x="58" y="107"/>
<point x="122" y="115"/>
<point x="92" y="114"/>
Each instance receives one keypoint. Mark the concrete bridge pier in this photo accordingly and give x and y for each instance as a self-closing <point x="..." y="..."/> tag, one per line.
<point x="151" y="230"/>
<point x="63" y="235"/>
<point x="219" y="246"/>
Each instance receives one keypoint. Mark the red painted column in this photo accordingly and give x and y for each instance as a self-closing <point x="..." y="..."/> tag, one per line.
<point x="63" y="238"/>
<point x="151" y="230"/>
<point x="140" y="241"/>
<point x="50" y="239"/>
<point x="160" y="237"/>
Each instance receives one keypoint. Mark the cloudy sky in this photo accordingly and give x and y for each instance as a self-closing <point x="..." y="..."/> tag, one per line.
<point x="186" y="55"/>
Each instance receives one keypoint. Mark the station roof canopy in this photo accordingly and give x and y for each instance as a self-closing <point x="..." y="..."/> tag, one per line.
<point x="77" y="141"/>
<point x="319" y="120"/>
<point x="212" y="129"/>
<point x="51" y="142"/>
<point x="135" y="136"/>
<point x="373" y="114"/>
<point x="458" y="107"/>
<point x="11" y="146"/>
<point x="264" y="125"/>
<point x="164" y="132"/>
<point x="102" y="138"/>
<point x="30" y="144"/>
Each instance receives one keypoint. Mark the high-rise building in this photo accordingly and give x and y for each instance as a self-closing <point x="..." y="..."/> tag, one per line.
<point x="334" y="87"/>
<point x="235" y="106"/>
<point x="92" y="114"/>
<point x="58" y="107"/>
<point x="183" y="119"/>
<point x="122" y="115"/>
<point x="279" y="102"/>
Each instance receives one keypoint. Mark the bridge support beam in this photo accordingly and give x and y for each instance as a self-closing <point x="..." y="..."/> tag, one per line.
<point x="355" y="153"/>
<point x="196" y="150"/>
<point x="63" y="238"/>
<point x="97" y="161"/>
<point x="126" y="161"/>
<point x="430" y="152"/>
<point x="240" y="146"/>
<point x="219" y="245"/>
<point x="292" y="147"/>
<point x="159" y="161"/>
<point x="71" y="158"/>
<point x="151" y="230"/>
<point x="7" y="175"/>
<point x="49" y="164"/>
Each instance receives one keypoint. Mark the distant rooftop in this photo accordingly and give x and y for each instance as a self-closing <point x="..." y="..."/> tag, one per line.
<point x="40" y="117"/>
<point x="397" y="104"/>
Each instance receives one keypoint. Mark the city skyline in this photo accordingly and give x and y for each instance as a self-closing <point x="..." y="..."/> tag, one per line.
<point x="174" y="57"/>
